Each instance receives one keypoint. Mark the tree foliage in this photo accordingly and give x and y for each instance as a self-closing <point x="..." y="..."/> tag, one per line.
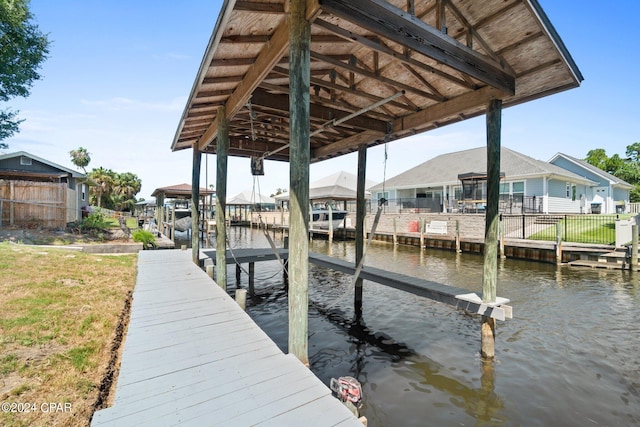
<point x="627" y="169"/>
<point x="112" y="190"/>
<point x="81" y="158"/>
<point x="23" y="48"/>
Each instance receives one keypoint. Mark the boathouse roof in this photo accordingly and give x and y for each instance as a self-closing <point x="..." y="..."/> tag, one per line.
<point x="179" y="191"/>
<point x="389" y="69"/>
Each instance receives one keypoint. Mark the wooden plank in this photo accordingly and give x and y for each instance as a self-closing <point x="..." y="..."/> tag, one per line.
<point x="191" y="356"/>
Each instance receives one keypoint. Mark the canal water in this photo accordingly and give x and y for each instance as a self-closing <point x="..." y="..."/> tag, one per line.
<point x="569" y="357"/>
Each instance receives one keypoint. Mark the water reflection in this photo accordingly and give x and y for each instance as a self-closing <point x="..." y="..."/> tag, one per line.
<point x="570" y="356"/>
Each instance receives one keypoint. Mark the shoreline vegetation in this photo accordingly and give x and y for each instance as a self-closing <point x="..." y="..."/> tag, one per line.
<point x="63" y="314"/>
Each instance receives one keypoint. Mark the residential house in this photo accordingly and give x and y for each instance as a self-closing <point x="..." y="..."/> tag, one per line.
<point x="38" y="192"/>
<point x="527" y="185"/>
<point x="609" y="195"/>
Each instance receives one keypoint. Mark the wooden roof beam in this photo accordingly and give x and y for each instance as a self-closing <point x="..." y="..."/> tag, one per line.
<point x="397" y="25"/>
<point x="346" y="145"/>
<point x="372" y="75"/>
<point x="378" y="46"/>
<point x="444" y="110"/>
<point x="281" y="102"/>
<point x="340" y="88"/>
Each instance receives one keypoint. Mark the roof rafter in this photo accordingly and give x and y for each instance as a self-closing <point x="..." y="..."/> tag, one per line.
<point x="395" y="24"/>
<point x="378" y="46"/>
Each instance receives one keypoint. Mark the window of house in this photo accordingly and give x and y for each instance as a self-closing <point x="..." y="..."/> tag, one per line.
<point x="573" y="192"/>
<point x="518" y="187"/>
<point x="568" y="187"/>
<point x="383" y="195"/>
<point x="504" y="188"/>
<point x="84" y="191"/>
<point x="25" y="161"/>
<point x="457" y="192"/>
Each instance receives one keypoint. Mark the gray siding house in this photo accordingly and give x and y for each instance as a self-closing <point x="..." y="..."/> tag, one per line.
<point x="35" y="191"/>
<point x="609" y="195"/>
<point x="528" y="186"/>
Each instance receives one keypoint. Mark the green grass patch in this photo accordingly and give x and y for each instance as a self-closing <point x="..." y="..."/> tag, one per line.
<point x="592" y="229"/>
<point x="9" y="363"/>
<point x="131" y="222"/>
<point x="82" y="357"/>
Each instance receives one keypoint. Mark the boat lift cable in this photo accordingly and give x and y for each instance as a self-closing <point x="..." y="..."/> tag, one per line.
<point x="334" y="122"/>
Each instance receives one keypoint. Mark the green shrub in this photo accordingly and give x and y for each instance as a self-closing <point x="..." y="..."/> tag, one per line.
<point x="145" y="237"/>
<point x="94" y="221"/>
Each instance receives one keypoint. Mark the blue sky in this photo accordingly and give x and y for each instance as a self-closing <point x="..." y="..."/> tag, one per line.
<point x="119" y="74"/>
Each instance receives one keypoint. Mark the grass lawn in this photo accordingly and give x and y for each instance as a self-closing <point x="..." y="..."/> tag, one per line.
<point x="594" y="229"/>
<point x="58" y="316"/>
<point x="132" y="223"/>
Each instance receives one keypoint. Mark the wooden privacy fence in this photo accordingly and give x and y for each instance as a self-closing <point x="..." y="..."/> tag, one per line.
<point x="37" y="204"/>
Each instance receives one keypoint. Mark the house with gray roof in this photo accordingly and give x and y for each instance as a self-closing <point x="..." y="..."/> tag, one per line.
<point x="611" y="193"/>
<point x="38" y="192"/>
<point x="527" y="186"/>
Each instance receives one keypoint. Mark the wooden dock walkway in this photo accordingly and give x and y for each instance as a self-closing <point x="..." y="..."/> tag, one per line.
<point x="457" y="297"/>
<point x="192" y="357"/>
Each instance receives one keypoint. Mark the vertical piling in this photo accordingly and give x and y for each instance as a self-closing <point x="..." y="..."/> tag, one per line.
<point x="222" y="152"/>
<point x="299" y="158"/>
<point x="360" y="223"/>
<point x="490" y="267"/>
<point x="195" y="198"/>
<point x="330" y="223"/>
<point x="558" y="243"/>
<point x="395" y="231"/>
<point x="241" y="298"/>
<point x="634" y="247"/>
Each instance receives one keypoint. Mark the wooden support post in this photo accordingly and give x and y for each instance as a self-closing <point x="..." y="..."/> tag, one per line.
<point x="12" y="197"/>
<point x="634" y="247"/>
<point x="330" y="223"/>
<point x="299" y="158"/>
<point x="501" y="233"/>
<point x="252" y="275"/>
<point x="422" y="233"/>
<point x="210" y="270"/>
<point x="558" y="243"/>
<point x="241" y="298"/>
<point x="285" y="271"/>
<point x="160" y="211"/>
<point x="395" y="231"/>
<point x="458" y="246"/>
<point x="172" y="230"/>
<point x="222" y="152"/>
<point x="361" y="213"/>
<point x="238" y="274"/>
<point x="195" y="205"/>
<point x="490" y="268"/>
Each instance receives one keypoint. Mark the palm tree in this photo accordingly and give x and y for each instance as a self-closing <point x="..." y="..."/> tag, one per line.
<point x="103" y="179"/>
<point x="80" y="157"/>
<point x="126" y="186"/>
